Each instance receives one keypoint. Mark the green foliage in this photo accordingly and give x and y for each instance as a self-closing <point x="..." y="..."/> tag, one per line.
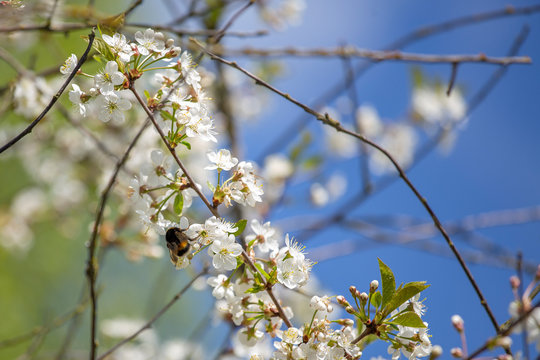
<point x="408" y="318"/>
<point x="388" y="283"/>
<point x="408" y="291"/>
<point x="178" y="203"/>
<point x="241" y="225"/>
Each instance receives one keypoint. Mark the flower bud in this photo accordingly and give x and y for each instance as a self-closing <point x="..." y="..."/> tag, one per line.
<point x="458" y="323"/>
<point x="436" y="351"/>
<point x="352" y="289"/>
<point x="514" y="282"/>
<point x="374" y="285"/>
<point x="350" y="309"/>
<point x="342" y="301"/>
<point x="363" y="297"/>
<point x="456" y="352"/>
<point x="504" y="342"/>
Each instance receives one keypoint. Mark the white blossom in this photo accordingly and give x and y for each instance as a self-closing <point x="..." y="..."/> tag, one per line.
<point x="112" y="107"/>
<point x="225" y="251"/>
<point x="119" y="46"/>
<point x="222" y="160"/>
<point x="150" y="41"/>
<point x="69" y="65"/>
<point x="109" y="78"/>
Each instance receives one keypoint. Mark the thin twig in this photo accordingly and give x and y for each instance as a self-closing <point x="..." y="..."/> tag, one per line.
<point x="173" y="152"/>
<point x="364" y="165"/>
<point x="374" y="55"/>
<point x="453" y="76"/>
<point x="504" y="332"/>
<point x="201" y="32"/>
<point x="150" y="322"/>
<point x="132" y="7"/>
<point x="325" y="119"/>
<point x="217" y="36"/>
<point x="91" y="265"/>
<point x="29" y="128"/>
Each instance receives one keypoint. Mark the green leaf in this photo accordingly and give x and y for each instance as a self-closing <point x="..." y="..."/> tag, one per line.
<point x="260" y="268"/>
<point x="409" y="318"/>
<point x="376" y="299"/>
<point x="241" y="225"/>
<point x="178" y="203"/>
<point x="167" y="115"/>
<point x="255" y="289"/>
<point x="388" y="283"/>
<point x="404" y="294"/>
<point x="146" y="94"/>
<point x="186" y="144"/>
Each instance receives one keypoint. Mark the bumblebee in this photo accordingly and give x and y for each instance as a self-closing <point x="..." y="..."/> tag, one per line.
<point x="177" y="243"/>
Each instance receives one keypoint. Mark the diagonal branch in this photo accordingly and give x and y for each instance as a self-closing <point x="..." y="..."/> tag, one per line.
<point x="150" y="322"/>
<point x="325" y="119"/>
<point x="91" y="264"/>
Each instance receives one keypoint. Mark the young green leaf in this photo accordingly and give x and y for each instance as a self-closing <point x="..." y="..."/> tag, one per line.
<point x="388" y="283"/>
<point x="376" y="299"/>
<point x="409" y="318"/>
<point x="260" y="268"/>
<point x="186" y="144"/>
<point x="404" y="294"/>
<point x="241" y="225"/>
<point x="178" y="203"/>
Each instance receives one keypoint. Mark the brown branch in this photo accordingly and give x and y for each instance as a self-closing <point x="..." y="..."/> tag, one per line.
<point x="132" y="7"/>
<point x="453" y="76"/>
<point x="325" y="119"/>
<point x="217" y="36"/>
<point x="150" y="322"/>
<point x="202" y="32"/>
<point x="353" y="95"/>
<point x="91" y="264"/>
<point x="488" y="344"/>
<point x="29" y="128"/>
<point x="173" y="152"/>
<point x="374" y="55"/>
<point x="179" y="32"/>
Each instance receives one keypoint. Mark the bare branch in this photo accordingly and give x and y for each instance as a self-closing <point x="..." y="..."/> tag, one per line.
<point x="374" y="55"/>
<point x="325" y="119"/>
<point x="91" y="264"/>
<point x="29" y="128"/>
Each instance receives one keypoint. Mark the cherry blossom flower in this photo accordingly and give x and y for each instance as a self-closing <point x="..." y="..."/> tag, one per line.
<point x="112" y="107"/>
<point x="225" y="252"/>
<point x="150" y="41"/>
<point x="222" y="287"/>
<point x="222" y="160"/>
<point x="109" y="78"/>
<point x="69" y="65"/>
<point x="119" y="46"/>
